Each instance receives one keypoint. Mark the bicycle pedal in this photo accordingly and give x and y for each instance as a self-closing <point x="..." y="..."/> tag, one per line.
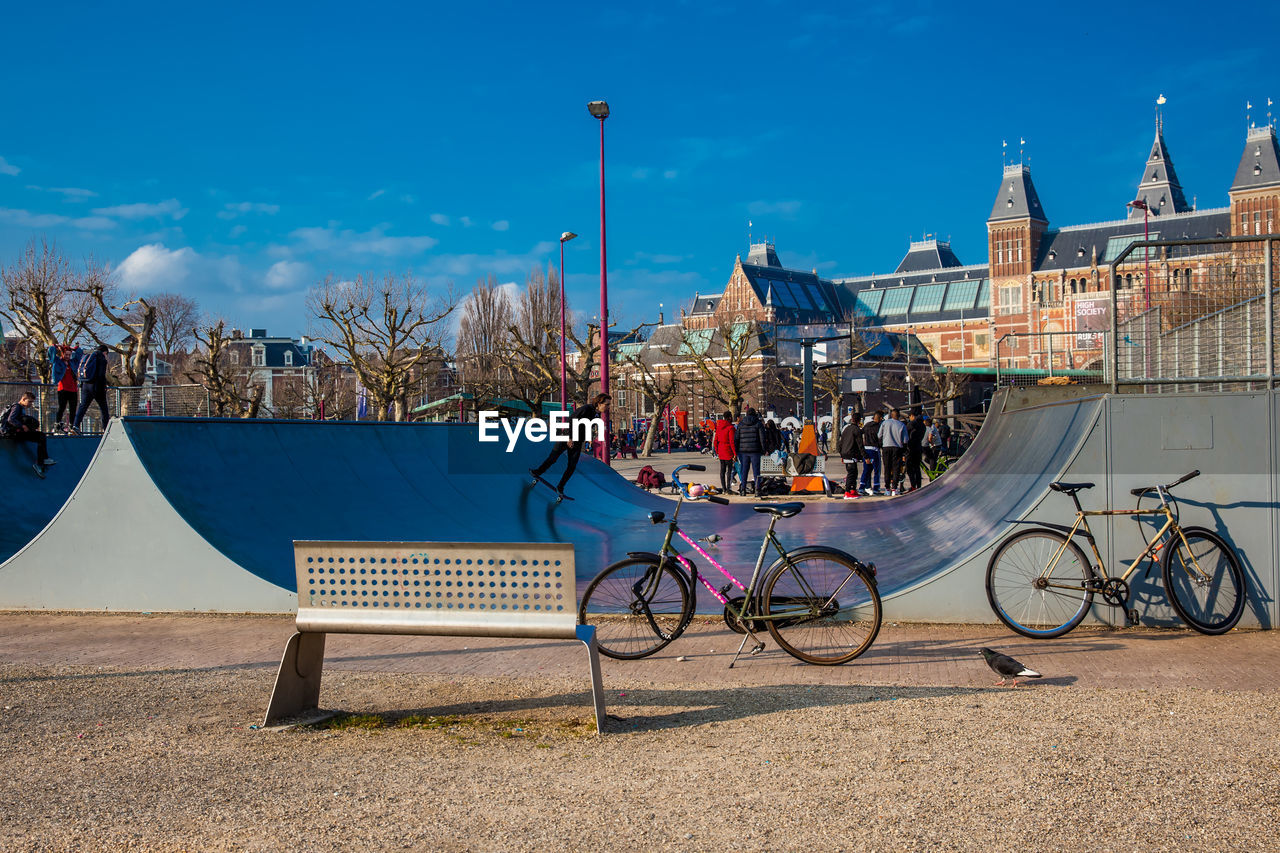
<point x="1132" y="616"/>
<point x="757" y="648"/>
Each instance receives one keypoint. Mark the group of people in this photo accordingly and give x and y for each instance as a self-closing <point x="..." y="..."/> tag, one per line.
<point x="896" y="446"/>
<point x="73" y="372"/>
<point x="740" y="445"/>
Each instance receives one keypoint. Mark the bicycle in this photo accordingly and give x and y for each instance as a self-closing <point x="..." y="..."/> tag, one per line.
<point x="939" y="467"/>
<point x="1041" y="584"/>
<point x="820" y="604"/>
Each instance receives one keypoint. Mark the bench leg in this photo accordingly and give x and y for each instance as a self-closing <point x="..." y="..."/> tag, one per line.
<point x="297" y="687"/>
<point x="587" y="634"/>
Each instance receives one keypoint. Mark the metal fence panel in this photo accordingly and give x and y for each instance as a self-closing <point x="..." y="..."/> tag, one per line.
<point x="157" y="400"/>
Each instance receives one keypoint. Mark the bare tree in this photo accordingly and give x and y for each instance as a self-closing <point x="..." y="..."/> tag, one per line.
<point x="535" y="341"/>
<point x="723" y="356"/>
<point x="483" y="343"/>
<point x="215" y="366"/>
<point x="136" y="318"/>
<point x="655" y="378"/>
<point x="176" y="318"/>
<point x="41" y="302"/>
<point x="384" y="327"/>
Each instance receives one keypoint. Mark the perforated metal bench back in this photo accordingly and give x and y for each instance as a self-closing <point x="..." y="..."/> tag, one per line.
<point x="511" y="589"/>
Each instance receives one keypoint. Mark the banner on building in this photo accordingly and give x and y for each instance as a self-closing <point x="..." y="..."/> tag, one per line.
<point x="1093" y="321"/>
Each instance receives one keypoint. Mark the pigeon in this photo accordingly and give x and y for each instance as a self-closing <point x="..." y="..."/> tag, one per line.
<point x="712" y="539"/>
<point x="1006" y="667"/>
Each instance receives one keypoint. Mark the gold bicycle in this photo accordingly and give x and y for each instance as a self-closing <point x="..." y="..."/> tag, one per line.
<point x="1041" y="584"/>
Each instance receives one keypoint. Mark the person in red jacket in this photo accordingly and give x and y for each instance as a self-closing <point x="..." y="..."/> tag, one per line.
<point x="724" y="447"/>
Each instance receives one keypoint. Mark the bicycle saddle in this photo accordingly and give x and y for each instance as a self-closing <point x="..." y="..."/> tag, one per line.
<point x="780" y="510"/>
<point x="1070" y="488"/>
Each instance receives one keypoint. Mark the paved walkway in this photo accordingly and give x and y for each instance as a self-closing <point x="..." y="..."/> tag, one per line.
<point x="916" y="655"/>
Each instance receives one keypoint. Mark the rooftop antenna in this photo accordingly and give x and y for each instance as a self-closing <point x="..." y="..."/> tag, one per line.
<point x="1004" y="152"/>
<point x="748" y="233"/>
<point x="1268" y="111"/>
<point x="1021" y="144"/>
<point x="1247" y="107"/>
<point x="1160" y="101"/>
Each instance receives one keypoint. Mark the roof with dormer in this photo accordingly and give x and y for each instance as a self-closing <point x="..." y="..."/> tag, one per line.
<point x="1017" y="198"/>
<point x="1260" y="164"/>
<point x="1078" y="245"/>
<point x="794" y="295"/>
<point x="1159" y="188"/>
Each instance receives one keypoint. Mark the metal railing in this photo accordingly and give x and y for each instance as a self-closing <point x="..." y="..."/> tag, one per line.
<point x="1194" y="315"/>
<point x="158" y="400"/>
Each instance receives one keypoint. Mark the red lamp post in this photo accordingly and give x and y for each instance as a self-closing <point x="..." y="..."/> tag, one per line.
<point x="564" y="398"/>
<point x="600" y="110"/>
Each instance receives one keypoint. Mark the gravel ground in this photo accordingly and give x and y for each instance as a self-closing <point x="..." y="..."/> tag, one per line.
<point x="103" y="758"/>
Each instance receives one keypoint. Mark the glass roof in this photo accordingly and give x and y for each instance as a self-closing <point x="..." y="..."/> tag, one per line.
<point x="897" y="300"/>
<point x="960" y="295"/>
<point x="984" y="294"/>
<point x="928" y="298"/>
<point x="869" y="300"/>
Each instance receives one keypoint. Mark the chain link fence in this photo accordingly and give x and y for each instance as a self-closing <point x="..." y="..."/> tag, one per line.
<point x="1195" y="315"/>
<point x="183" y="401"/>
<point x="1052" y="358"/>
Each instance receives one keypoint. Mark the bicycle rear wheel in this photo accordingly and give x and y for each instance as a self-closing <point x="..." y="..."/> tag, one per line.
<point x="1030" y="596"/>
<point x="821" y="608"/>
<point x="1208" y="593"/>
<point x="637" y="607"/>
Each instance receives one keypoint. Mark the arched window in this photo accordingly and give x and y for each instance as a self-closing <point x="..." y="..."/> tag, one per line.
<point x="1128" y="281"/>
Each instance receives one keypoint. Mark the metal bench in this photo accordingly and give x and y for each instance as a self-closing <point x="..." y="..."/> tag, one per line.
<point x="518" y="590"/>
<point x="771" y="466"/>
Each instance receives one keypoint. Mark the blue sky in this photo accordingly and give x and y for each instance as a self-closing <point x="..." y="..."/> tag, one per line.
<point x="240" y="153"/>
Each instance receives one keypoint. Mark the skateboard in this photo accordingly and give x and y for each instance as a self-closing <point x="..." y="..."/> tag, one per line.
<point x="559" y="496"/>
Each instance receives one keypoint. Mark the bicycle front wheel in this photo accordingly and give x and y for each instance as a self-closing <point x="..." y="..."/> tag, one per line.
<point x="637" y="607"/>
<point x="1204" y="581"/>
<point x="1034" y="594"/>
<point x="821" y="607"/>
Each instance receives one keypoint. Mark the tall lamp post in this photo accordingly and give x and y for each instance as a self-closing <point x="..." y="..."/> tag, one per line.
<point x="564" y="399"/>
<point x="600" y="109"/>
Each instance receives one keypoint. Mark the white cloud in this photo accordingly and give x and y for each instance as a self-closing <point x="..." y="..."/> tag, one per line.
<point x="153" y="266"/>
<point x="7" y="168"/>
<point x="238" y="230"/>
<point x="169" y="208"/>
<point x="375" y="241"/>
<point x="439" y="219"/>
<point x="409" y="198"/>
<point x="286" y="275"/>
<point x="375" y="194"/>
<point x="27" y="219"/>
<point x="466" y="221"/>
<point x="670" y="174"/>
<point x="501" y="225"/>
<point x="231" y="211"/>
<point x="69" y="193"/>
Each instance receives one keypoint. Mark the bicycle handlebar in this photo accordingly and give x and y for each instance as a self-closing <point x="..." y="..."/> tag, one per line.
<point x="716" y="499"/>
<point x="684" y="492"/>
<point x="1137" y="493"/>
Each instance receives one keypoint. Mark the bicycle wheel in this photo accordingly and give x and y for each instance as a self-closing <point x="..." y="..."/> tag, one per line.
<point x="821" y="608"/>
<point x="1209" y="592"/>
<point x="1030" y="596"/>
<point x="636" y="606"/>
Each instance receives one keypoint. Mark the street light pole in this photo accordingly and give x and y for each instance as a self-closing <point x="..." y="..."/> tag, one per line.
<point x="564" y="399"/>
<point x="600" y="110"/>
<point x="1146" y="250"/>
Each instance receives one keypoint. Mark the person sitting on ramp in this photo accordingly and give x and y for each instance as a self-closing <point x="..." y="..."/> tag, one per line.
<point x="597" y="408"/>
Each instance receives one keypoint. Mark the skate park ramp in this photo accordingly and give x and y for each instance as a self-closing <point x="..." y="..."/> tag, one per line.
<point x="200" y="514"/>
<point x="28" y="503"/>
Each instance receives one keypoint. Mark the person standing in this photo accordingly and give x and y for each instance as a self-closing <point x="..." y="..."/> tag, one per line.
<point x="723" y="441"/>
<point x="65" y="361"/>
<point x="597" y="408"/>
<point x="750" y="446"/>
<point x="932" y="441"/>
<point x="870" y="483"/>
<point x="851" y="451"/>
<point x="18" y="424"/>
<point x="893" y="439"/>
<point x="92" y="377"/>
<point x="915" y="450"/>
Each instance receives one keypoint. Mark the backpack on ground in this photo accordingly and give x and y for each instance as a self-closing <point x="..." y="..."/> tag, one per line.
<point x="649" y="478"/>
